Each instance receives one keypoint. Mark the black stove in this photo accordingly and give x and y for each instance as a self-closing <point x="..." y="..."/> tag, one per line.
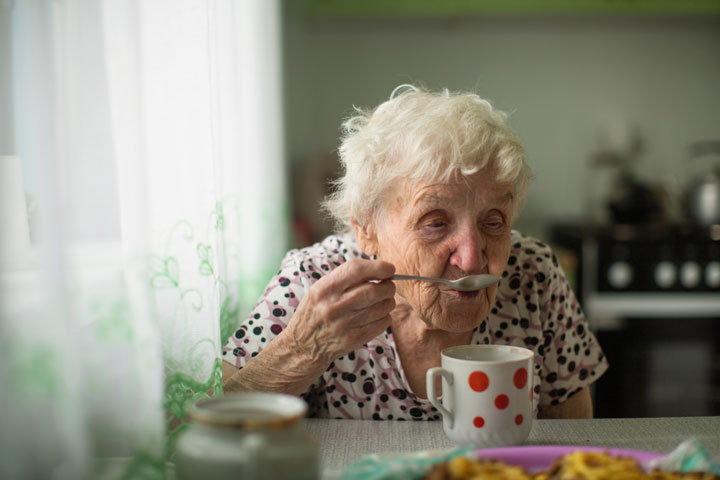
<point x="638" y="265"/>
<point x="652" y="295"/>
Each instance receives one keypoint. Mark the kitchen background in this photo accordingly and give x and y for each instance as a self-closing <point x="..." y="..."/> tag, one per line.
<point x="573" y="85"/>
<point x="591" y="95"/>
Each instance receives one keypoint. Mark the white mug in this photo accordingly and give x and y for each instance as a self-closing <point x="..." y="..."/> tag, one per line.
<point x="487" y="394"/>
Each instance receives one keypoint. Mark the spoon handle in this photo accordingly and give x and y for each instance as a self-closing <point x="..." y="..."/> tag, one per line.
<point x="415" y="277"/>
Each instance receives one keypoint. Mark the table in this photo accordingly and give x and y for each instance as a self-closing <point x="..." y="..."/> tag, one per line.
<point x="343" y="442"/>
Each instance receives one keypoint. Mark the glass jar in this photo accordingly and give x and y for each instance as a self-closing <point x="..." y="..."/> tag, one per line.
<point x="247" y="435"/>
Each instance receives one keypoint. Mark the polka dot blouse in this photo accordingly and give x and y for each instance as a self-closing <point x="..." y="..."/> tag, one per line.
<point x="534" y="308"/>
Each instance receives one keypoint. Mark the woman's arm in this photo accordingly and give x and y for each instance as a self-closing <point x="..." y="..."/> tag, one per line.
<point x="577" y="406"/>
<point x="341" y="311"/>
<point x="278" y="368"/>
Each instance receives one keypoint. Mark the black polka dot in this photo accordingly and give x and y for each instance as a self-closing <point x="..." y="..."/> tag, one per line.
<point x="416" y="412"/>
<point x="369" y="387"/>
<point x="399" y="394"/>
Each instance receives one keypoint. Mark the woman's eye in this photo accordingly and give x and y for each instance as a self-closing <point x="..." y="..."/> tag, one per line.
<point x="495" y="226"/>
<point x="434" y="229"/>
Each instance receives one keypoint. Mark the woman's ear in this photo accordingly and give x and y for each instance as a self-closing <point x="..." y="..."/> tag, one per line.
<point x="366" y="237"/>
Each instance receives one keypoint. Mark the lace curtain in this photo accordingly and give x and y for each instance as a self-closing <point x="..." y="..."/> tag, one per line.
<point x="149" y="144"/>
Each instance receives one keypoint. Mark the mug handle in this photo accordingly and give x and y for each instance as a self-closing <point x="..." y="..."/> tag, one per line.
<point x="430" y="385"/>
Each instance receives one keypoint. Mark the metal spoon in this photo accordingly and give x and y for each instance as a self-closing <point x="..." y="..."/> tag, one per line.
<point x="465" y="284"/>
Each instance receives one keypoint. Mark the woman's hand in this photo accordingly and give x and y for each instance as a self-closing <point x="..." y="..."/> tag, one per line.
<point x="343" y="310"/>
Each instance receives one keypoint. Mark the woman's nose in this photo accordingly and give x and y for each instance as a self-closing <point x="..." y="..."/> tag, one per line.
<point x="469" y="251"/>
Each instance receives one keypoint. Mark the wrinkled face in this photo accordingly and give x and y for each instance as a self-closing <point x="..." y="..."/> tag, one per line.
<point x="448" y="231"/>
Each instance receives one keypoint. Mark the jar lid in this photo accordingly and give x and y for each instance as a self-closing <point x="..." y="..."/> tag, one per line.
<point x="249" y="410"/>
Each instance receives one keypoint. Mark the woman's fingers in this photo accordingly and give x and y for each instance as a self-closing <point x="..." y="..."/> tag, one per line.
<point x="346" y="308"/>
<point x="367" y="294"/>
<point x="359" y="271"/>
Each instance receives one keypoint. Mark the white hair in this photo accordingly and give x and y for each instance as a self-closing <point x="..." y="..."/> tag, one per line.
<point x="422" y="136"/>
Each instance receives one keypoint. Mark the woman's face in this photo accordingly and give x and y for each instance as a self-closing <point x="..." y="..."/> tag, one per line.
<point x="447" y="231"/>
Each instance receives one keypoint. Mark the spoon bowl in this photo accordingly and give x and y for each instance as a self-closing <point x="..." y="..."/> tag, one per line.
<point x="464" y="284"/>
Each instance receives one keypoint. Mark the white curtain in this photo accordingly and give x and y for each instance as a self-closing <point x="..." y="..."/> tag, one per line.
<point x="150" y="141"/>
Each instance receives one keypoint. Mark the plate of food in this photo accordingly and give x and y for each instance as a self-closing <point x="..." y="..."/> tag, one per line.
<point x="690" y="460"/>
<point x="541" y="457"/>
<point x="552" y="463"/>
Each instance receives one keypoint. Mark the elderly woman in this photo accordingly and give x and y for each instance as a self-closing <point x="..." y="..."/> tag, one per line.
<point x="431" y="185"/>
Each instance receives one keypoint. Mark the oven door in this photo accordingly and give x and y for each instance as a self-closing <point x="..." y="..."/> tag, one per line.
<point x="660" y="367"/>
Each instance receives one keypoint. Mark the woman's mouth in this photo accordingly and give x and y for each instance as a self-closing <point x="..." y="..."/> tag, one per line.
<point x="468" y="295"/>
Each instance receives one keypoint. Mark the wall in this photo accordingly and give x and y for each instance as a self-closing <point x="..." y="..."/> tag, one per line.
<point x="571" y="84"/>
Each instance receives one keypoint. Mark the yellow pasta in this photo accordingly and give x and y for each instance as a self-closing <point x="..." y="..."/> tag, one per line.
<point x="573" y="466"/>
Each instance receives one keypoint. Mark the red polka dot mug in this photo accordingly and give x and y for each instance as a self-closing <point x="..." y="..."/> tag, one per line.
<point x="486" y="394"/>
